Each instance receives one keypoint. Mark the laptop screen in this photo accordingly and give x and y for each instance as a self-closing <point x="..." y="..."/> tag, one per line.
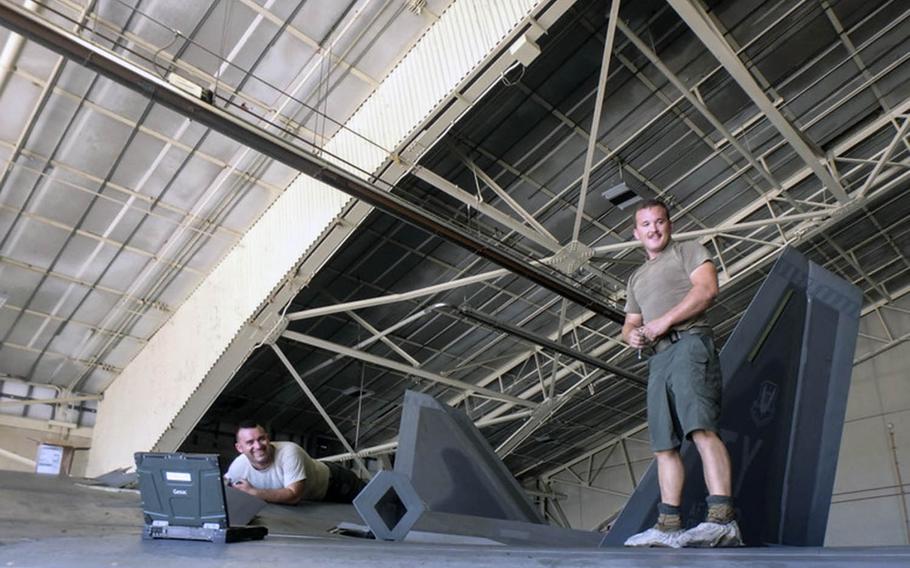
<point x="182" y="489"/>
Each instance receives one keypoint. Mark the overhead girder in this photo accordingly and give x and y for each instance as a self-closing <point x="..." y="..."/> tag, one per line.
<point x="478" y="391"/>
<point x="698" y="21"/>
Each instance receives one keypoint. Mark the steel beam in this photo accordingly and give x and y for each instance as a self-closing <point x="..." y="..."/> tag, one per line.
<point x="62" y="400"/>
<point x="169" y="140"/>
<point x="393" y="298"/>
<point x="334" y="57"/>
<point x="43" y="425"/>
<point x="697" y="103"/>
<point x="825" y="218"/>
<point x="507" y="199"/>
<point x="595" y="119"/>
<point x="594" y="488"/>
<point x="99" y="239"/>
<point x="724" y="228"/>
<point x="16" y="457"/>
<point x="596" y="450"/>
<point x="808" y="230"/>
<point x="542" y="414"/>
<point x="391" y="447"/>
<point x="625" y="455"/>
<point x="74" y="322"/>
<point x="87" y="363"/>
<point x="366" y="342"/>
<point x="149" y="85"/>
<point x="132" y="195"/>
<point x="449" y="188"/>
<point x="698" y="22"/>
<point x="325" y="415"/>
<point x="886" y="155"/>
<point x="383" y="337"/>
<point x="406" y="369"/>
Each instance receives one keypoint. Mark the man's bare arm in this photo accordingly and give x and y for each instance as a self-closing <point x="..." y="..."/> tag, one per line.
<point x="632" y="323"/>
<point x="700" y="297"/>
<point x="290" y="495"/>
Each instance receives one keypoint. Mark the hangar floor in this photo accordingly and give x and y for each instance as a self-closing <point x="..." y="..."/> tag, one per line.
<point x="54" y="522"/>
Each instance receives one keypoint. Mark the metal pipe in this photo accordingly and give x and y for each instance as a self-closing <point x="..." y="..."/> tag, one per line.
<point x="151" y="86"/>
<point x="484" y="422"/>
<point x="378" y="450"/>
<point x="500" y="325"/>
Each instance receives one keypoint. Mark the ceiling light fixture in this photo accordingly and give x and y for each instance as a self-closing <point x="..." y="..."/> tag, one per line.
<point x="356" y="391"/>
<point x="524" y="50"/>
<point x="621" y="195"/>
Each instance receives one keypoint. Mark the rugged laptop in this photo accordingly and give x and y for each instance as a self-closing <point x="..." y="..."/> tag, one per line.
<point x="184" y="497"/>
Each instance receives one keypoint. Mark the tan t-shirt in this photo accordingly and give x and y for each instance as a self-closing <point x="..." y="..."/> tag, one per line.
<point x="291" y="464"/>
<point x="662" y="282"/>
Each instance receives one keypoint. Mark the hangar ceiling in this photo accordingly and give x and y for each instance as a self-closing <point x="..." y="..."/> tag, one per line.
<point x="115" y="208"/>
<point x="762" y="123"/>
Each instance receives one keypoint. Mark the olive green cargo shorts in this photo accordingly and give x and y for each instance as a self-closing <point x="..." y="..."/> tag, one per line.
<point x="684" y="389"/>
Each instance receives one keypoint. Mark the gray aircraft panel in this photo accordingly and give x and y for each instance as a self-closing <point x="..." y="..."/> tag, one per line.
<point x="449" y="481"/>
<point x="786" y="371"/>
<point x="452" y="466"/>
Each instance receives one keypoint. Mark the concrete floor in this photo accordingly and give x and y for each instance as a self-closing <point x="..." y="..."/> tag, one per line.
<point x="54" y="522"/>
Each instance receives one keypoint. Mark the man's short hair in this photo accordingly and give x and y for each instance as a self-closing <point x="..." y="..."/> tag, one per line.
<point x="249" y="423"/>
<point x="649" y="203"/>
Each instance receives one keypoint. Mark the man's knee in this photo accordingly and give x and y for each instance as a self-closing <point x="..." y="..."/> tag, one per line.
<point x="666" y="455"/>
<point x="709" y="444"/>
<point x="701" y="437"/>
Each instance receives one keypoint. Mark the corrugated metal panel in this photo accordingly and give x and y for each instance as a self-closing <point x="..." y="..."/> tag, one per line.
<point x="466" y="33"/>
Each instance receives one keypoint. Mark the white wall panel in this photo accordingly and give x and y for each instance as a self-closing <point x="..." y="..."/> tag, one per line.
<point x="866" y="506"/>
<point x="588" y="508"/>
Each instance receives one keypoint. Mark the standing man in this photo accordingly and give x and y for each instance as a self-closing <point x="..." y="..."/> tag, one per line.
<point x="282" y="472"/>
<point x="665" y="310"/>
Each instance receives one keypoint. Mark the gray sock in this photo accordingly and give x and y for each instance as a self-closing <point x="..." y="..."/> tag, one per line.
<point x="720" y="509"/>
<point x="668" y="518"/>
